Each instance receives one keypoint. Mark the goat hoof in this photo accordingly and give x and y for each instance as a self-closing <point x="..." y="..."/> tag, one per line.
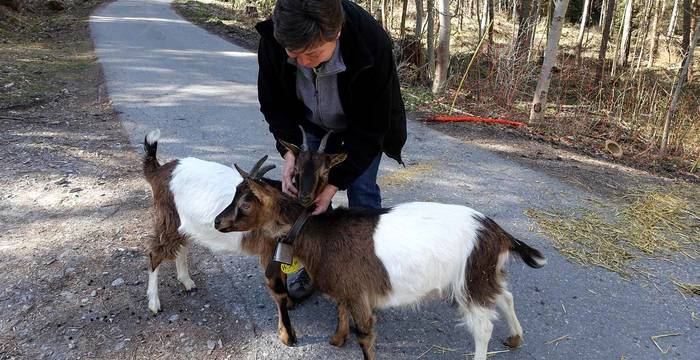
<point x="154" y="306"/>
<point x="513" y="341"/>
<point x="289" y="339"/>
<point x="189" y="285"/>
<point x="338" y="341"/>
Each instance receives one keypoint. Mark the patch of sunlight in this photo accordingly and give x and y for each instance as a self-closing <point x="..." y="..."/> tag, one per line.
<point x="106" y="19"/>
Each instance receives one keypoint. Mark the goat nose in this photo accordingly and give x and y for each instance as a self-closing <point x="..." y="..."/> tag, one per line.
<point x="217" y="222"/>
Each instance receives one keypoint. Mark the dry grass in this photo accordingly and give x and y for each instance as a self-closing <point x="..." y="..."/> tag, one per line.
<point x="405" y="175"/>
<point x="656" y="223"/>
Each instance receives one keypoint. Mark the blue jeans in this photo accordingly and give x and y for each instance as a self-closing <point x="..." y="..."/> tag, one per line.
<point x="364" y="191"/>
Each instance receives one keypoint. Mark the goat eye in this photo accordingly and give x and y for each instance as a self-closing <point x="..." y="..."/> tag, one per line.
<point x="245" y="206"/>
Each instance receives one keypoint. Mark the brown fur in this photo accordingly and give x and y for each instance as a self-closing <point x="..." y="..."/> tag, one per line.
<point x="484" y="277"/>
<point x="312" y="169"/>
<point x="166" y="241"/>
<point x="336" y="249"/>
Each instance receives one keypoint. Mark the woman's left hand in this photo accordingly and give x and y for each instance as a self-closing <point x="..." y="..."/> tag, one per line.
<point x="324" y="199"/>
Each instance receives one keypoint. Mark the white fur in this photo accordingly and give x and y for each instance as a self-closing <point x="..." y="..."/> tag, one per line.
<point x="424" y="248"/>
<point x="153" y="136"/>
<point x="479" y="320"/>
<point x="152" y="293"/>
<point x="202" y="190"/>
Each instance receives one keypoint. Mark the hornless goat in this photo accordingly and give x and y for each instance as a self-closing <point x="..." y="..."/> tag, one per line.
<point x="366" y="258"/>
<point x="187" y="195"/>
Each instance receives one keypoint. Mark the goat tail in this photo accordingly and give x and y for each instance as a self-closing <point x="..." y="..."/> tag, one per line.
<point x="531" y="256"/>
<point x="150" y="147"/>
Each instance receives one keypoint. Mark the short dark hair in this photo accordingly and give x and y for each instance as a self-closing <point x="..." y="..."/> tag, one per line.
<point x="300" y="24"/>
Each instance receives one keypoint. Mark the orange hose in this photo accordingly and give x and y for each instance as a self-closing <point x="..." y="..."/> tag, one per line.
<point x="444" y="118"/>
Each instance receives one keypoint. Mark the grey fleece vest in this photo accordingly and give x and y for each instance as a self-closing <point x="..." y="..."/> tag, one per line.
<point x="317" y="88"/>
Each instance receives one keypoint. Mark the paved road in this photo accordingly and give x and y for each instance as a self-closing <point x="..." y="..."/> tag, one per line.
<point x="200" y="90"/>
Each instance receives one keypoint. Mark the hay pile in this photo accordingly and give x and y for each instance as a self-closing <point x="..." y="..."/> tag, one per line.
<point x="656" y="223"/>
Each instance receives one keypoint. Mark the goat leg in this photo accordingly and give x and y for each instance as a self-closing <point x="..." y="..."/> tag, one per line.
<point x="276" y="283"/>
<point x="361" y="313"/>
<point x="343" y="329"/>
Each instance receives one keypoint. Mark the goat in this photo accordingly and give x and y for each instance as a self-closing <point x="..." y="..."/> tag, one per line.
<point x="187" y="195"/>
<point x="379" y="258"/>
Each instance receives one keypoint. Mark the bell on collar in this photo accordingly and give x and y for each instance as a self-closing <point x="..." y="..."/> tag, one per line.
<point x="283" y="253"/>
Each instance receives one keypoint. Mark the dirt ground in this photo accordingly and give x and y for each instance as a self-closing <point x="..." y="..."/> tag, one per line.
<point x="74" y="210"/>
<point x="74" y="215"/>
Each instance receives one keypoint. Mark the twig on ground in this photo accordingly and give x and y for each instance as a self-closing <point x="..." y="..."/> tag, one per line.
<point x="656" y="337"/>
<point x="557" y="340"/>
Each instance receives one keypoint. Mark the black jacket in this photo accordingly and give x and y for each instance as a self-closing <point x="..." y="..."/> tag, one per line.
<point x="369" y="92"/>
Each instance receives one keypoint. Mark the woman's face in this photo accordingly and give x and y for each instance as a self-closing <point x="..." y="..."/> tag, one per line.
<point x="314" y="55"/>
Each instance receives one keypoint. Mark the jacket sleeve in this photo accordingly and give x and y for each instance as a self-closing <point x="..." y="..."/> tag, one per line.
<point x="271" y="95"/>
<point x="366" y="130"/>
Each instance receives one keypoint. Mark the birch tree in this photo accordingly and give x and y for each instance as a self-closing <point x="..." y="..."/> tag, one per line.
<point x="609" y="12"/>
<point x="442" y="62"/>
<point x="539" y="101"/>
<point x="625" y="38"/>
<point x="654" y="33"/>
<point x="430" y="38"/>
<point x="582" y="30"/>
<point x="674" y="17"/>
<point x="683" y="73"/>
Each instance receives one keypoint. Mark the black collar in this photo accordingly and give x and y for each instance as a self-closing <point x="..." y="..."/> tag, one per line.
<point x="293" y="233"/>
<point x="273" y="267"/>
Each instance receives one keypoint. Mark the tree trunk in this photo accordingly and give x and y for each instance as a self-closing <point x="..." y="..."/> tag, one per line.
<point x="430" y="38"/>
<point x="679" y="86"/>
<point x="674" y="17"/>
<point x="549" y="18"/>
<point x="419" y="19"/>
<point x="490" y="23"/>
<point x="484" y="17"/>
<point x="442" y="64"/>
<point x="403" y="18"/>
<point x="419" y="31"/>
<point x="535" y="15"/>
<point x="478" y="18"/>
<point x="603" y="6"/>
<point x="582" y="30"/>
<point x="539" y="101"/>
<point x="609" y="12"/>
<point x="649" y="6"/>
<point x="625" y="39"/>
<point x="654" y="33"/>
<point x="687" y="15"/>
<point x="617" y="49"/>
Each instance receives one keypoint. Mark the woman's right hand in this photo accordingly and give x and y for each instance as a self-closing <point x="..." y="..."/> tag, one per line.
<point x="288" y="174"/>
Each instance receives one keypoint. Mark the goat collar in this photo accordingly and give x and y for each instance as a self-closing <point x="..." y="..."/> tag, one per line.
<point x="293" y="233"/>
<point x="283" y="251"/>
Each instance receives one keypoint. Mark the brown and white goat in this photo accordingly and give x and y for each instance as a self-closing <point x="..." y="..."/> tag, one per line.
<point x="366" y="258"/>
<point x="188" y="193"/>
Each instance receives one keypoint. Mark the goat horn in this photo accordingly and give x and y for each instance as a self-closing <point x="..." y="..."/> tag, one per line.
<point x="256" y="167"/>
<point x="322" y="146"/>
<point x="264" y="171"/>
<point x="304" y="144"/>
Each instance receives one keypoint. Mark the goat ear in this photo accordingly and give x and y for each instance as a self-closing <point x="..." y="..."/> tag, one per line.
<point x="337" y="159"/>
<point x="291" y="147"/>
<point x="257" y="188"/>
<point x="244" y="174"/>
